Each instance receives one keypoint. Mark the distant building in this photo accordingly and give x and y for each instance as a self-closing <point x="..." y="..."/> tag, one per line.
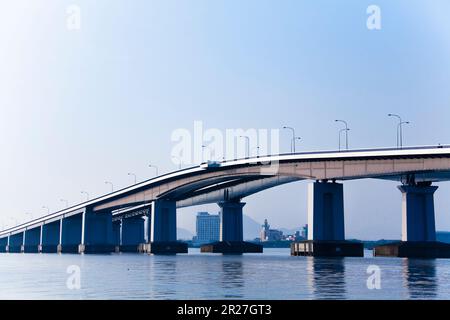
<point x="207" y="227"/>
<point x="305" y="232"/>
<point x="268" y="234"/>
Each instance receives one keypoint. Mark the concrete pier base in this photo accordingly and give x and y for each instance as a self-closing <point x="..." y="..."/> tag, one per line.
<point x="324" y="248"/>
<point x="128" y="248"/>
<point x="164" y="247"/>
<point x="67" y="248"/>
<point x="96" y="248"/>
<point x="414" y="249"/>
<point x="30" y="249"/>
<point x="48" y="248"/>
<point x="232" y="247"/>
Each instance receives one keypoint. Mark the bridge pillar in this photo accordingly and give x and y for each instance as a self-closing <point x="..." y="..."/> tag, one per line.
<point x="97" y="233"/>
<point x="418" y="226"/>
<point x="31" y="240"/>
<point x="163" y="229"/>
<point x="116" y="229"/>
<point x="15" y="242"/>
<point x="132" y="234"/>
<point x="326" y="211"/>
<point x="71" y="234"/>
<point x="51" y="237"/>
<point x="418" y="213"/>
<point x="231" y="231"/>
<point x="3" y="244"/>
<point x="326" y="230"/>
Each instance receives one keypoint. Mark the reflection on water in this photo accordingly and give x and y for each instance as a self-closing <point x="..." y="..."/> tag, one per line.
<point x="232" y="279"/>
<point x="326" y="277"/>
<point x="272" y="275"/>
<point x="163" y="278"/>
<point x="420" y="278"/>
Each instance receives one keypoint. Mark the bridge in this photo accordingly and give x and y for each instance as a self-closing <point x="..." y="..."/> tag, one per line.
<point x="142" y="217"/>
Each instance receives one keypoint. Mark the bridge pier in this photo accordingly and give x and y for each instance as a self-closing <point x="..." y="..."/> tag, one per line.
<point x="326" y="230"/>
<point x="132" y="234"/>
<point x="50" y="237"/>
<point x="71" y="234"/>
<point x="418" y="226"/>
<point x="231" y="231"/>
<point x="97" y="233"/>
<point x="15" y="243"/>
<point x="31" y="240"/>
<point x="163" y="229"/>
<point x="3" y="244"/>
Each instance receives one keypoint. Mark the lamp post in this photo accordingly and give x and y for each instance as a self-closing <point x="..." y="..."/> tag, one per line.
<point x="247" y="152"/>
<point x="155" y="167"/>
<point x="340" y="133"/>
<point x="293" y="138"/>
<point x="65" y="201"/>
<point x="48" y="210"/>
<point x="179" y="161"/>
<point x="29" y="214"/>
<point x="399" y="129"/>
<point x="346" y="133"/>
<point x="257" y="151"/>
<point x="203" y="151"/>
<point x="135" y="177"/>
<point x="87" y="195"/>
<point x="111" y="184"/>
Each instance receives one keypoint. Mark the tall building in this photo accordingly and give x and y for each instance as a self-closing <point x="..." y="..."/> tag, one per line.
<point x="208" y="227"/>
<point x="268" y="234"/>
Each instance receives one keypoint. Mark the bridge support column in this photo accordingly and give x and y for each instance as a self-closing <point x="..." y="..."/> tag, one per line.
<point x="97" y="233"/>
<point x="15" y="242"/>
<point x="163" y="229"/>
<point x="71" y="234"/>
<point x="3" y="244"/>
<point x="51" y="237"/>
<point x="231" y="231"/>
<point x="326" y="230"/>
<point x="418" y="226"/>
<point x="31" y="240"/>
<point x="116" y="230"/>
<point x="132" y="234"/>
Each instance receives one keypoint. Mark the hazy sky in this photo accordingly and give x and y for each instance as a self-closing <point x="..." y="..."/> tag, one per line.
<point x="78" y="107"/>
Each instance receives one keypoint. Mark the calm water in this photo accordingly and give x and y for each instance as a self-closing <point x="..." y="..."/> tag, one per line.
<point x="272" y="275"/>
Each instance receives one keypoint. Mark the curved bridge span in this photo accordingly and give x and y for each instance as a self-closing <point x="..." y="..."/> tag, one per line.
<point x="115" y="219"/>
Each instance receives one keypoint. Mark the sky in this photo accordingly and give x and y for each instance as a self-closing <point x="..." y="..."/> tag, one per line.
<point x="79" y="107"/>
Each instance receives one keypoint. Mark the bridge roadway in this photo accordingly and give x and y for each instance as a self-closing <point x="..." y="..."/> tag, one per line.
<point x="143" y="216"/>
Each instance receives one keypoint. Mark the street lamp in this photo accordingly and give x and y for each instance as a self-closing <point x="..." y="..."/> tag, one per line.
<point x="203" y="151"/>
<point x="340" y="133"/>
<point x="87" y="195"/>
<point x="257" y="151"/>
<point x="346" y="133"/>
<point x="135" y="177"/>
<point x="248" y="145"/>
<point x="399" y="129"/>
<point x="48" y="210"/>
<point x="179" y="161"/>
<point x="293" y="138"/>
<point x="29" y="214"/>
<point x="111" y="184"/>
<point x="156" y="169"/>
<point x="65" y="201"/>
<point x="15" y="221"/>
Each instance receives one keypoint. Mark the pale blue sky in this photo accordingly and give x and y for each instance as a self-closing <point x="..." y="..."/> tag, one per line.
<point x="81" y="107"/>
